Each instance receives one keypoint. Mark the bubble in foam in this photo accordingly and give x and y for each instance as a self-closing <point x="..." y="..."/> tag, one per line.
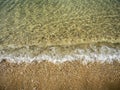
<point x="52" y="54"/>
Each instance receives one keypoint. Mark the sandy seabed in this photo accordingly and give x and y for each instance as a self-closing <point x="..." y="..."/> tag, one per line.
<point x="65" y="76"/>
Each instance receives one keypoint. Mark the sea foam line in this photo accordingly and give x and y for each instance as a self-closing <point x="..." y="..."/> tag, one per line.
<point x="103" y="54"/>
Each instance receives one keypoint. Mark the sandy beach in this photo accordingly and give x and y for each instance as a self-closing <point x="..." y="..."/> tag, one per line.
<point x="65" y="76"/>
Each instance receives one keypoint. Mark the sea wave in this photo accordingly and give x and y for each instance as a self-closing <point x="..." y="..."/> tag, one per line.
<point x="61" y="54"/>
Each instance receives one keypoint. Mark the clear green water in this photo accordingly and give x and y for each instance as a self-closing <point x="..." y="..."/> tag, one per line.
<point x="45" y="23"/>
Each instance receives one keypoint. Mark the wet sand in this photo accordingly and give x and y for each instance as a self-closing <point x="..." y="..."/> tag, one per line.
<point x="66" y="76"/>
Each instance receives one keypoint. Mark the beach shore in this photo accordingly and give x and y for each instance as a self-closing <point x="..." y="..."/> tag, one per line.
<point x="65" y="76"/>
<point x="65" y="33"/>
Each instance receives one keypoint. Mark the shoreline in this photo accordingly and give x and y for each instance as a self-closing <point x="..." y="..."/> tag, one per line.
<point x="101" y="52"/>
<point x="59" y="45"/>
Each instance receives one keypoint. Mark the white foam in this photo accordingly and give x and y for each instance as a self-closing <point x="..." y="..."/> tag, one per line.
<point x="101" y="54"/>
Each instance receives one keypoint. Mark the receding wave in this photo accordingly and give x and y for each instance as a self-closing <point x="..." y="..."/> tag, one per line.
<point x="59" y="54"/>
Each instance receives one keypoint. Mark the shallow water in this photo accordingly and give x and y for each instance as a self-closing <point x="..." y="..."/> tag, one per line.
<point x="59" y="30"/>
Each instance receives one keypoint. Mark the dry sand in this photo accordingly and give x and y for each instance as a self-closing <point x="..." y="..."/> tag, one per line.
<point x="65" y="76"/>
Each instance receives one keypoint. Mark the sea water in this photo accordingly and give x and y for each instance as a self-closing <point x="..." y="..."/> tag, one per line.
<point x="59" y="30"/>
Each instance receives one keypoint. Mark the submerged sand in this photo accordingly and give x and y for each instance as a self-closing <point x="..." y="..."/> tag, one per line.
<point x="66" y="76"/>
<point x="58" y="22"/>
